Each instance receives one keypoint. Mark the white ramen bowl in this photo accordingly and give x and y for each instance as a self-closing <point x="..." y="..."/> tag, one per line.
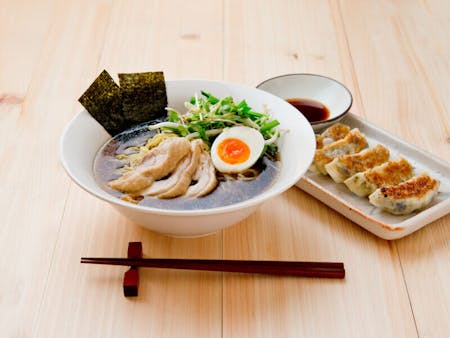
<point x="333" y="94"/>
<point x="84" y="136"/>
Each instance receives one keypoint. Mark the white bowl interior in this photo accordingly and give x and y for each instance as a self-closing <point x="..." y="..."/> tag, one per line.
<point x="84" y="136"/>
<point x="320" y="88"/>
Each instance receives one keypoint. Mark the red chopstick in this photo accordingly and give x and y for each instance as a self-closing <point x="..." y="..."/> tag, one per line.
<point x="283" y="268"/>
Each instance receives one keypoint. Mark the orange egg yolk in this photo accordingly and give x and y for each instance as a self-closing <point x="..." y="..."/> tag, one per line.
<point x="233" y="151"/>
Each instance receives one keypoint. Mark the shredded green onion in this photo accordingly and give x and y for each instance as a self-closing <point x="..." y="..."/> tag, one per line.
<point x="208" y="115"/>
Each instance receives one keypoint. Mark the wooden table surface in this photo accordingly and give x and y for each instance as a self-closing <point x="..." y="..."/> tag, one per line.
<point x="393" y="55"/>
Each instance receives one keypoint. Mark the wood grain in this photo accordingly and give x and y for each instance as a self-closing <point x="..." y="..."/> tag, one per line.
<point x="392" y="55"/>
<point x="31" y="211"/>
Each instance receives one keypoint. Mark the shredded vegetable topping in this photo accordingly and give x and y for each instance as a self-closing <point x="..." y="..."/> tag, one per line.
<point x="207" y="116"/>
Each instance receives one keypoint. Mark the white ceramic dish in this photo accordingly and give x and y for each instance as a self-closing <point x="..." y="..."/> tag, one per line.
<point x="84" y="136"/>
<point x="328" y="91"/>
<point x="360" y="211"/>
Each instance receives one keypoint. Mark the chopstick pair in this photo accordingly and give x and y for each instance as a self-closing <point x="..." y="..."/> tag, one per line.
<point x="282" y="268"/>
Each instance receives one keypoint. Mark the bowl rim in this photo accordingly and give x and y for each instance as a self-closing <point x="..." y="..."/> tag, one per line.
<point x="316" y="75"/>
<point x="252" y="202"/>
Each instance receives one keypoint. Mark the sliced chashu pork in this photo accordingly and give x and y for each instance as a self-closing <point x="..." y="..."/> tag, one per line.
<point x="205" y="175"/>
<point x="179" y="181"/>
<point x="185" y="177"/>
<point x="157" y="163"/>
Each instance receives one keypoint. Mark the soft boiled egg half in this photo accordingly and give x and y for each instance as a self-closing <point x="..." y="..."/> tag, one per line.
<point x="236" y="149"/>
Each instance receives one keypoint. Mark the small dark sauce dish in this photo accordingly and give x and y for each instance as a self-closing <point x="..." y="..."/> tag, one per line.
<point x="322" y="100"/>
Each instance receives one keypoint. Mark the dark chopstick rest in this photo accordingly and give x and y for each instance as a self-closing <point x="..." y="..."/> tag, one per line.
<point x="131" y="277"/>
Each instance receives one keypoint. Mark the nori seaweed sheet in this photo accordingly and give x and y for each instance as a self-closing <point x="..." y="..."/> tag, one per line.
<point x="141" y="97"/>
<point x="103" y="101"/>
<point x="144" y="96"/>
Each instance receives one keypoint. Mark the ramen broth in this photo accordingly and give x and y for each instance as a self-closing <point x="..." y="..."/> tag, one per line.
<point x="107" y="168"/>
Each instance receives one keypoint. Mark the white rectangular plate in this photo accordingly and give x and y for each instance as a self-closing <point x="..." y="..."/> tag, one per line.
<point x="360" y="211"/>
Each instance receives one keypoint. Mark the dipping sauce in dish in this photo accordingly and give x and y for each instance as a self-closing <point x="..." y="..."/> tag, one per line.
<point x="313" y="110"/>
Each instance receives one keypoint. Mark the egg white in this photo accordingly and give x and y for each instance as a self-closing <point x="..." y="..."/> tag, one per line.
<point x="251" y="137"/>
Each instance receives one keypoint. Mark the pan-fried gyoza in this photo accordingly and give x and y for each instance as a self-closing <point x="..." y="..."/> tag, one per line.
<point x="343" y="155"/>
